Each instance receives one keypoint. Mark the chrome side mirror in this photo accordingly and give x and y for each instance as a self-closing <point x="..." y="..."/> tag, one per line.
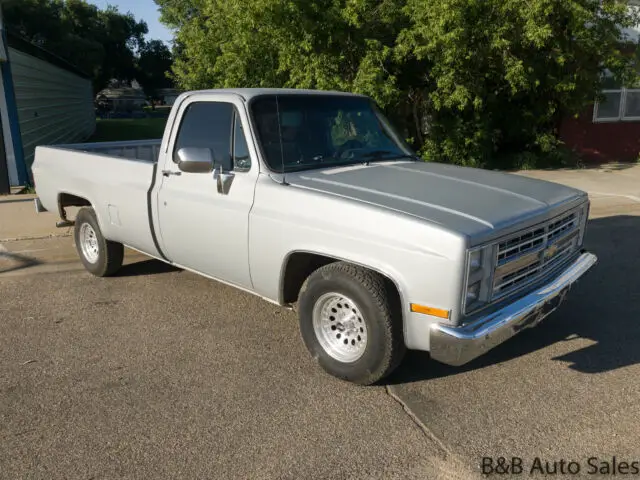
<point x="195" y="160"/>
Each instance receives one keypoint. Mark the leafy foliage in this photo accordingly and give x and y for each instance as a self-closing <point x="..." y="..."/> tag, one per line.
<point x="102" y="43"/>
<point x="154" y="63"/>
<point x="473" y="82"/>
<point x="503" y="73"/>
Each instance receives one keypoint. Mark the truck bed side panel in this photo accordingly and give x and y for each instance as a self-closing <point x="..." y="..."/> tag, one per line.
<point x="116" y="187"/>
<point x="147" y="150"/>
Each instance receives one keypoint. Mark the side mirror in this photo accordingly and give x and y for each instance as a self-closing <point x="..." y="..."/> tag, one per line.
<point x="195" y="160"/>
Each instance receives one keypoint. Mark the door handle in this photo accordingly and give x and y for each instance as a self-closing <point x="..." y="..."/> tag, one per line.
<point x="167" y="173"/>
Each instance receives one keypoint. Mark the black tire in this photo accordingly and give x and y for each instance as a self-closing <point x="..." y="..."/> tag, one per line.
<point x="109" y="254"/>
<point x="384" y="349"/>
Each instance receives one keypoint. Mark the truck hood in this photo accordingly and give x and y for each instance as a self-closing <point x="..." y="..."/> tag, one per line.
<point x="480" y="204"/>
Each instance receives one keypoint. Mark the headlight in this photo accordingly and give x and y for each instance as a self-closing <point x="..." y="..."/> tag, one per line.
<point x="479" y="275"/>
<point x="473" y="292"/>
<point x="475" y="260"/>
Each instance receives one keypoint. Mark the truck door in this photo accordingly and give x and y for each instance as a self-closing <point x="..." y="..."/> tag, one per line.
<point x="203" y="227"/>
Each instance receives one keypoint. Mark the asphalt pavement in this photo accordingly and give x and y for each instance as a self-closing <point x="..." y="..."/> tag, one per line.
<point x="160" y="373"/>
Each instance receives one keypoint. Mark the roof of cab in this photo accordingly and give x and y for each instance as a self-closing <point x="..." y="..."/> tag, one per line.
<point x="248" y="93"/>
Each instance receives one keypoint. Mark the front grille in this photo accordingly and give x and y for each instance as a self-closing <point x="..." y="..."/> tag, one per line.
<point x="529" y="255"/>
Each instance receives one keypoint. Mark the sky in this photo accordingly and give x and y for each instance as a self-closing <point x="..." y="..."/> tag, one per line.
<point x="146" y="10"/>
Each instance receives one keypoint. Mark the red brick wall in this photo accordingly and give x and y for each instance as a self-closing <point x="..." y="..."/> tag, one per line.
<point x="601" y="142"/>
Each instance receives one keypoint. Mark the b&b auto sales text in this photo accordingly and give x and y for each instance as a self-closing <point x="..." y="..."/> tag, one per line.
<point x="540" y="466"/>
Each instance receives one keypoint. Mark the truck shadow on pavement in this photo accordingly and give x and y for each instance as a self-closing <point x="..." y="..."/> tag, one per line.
<point x="603" y="307"/>
<point x="10" y="262"/>
<point x="146" y="267"/>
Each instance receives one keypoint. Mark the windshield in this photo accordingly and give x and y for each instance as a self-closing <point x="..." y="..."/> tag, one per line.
<point x="301" y="132"/>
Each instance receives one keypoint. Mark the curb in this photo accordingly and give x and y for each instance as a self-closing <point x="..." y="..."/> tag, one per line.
<point x="36" y="237"/>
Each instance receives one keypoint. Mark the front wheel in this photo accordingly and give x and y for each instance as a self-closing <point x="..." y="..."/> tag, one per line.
<point x="348" y="323"/>
<point x="100" y="256"/>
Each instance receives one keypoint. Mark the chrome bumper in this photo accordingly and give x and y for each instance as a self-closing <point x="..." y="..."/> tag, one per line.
<point x="459" y="345"/>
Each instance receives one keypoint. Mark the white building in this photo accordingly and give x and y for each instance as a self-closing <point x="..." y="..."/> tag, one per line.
<point x="123" y="99"/>
<point x="43" y="100"/>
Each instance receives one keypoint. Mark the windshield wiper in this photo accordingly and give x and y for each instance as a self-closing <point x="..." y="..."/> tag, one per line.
<point x="376" y="154"/>
<point x="320" y="160"/>
<point x="379" y="155"/>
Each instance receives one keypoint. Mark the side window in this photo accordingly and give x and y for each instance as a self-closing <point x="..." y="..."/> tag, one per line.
<point x="207" y="125"/>
<point x="241" y="158"/>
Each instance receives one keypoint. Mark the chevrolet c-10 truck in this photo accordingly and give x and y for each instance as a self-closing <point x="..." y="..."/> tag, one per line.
<point x="311" y="200"/>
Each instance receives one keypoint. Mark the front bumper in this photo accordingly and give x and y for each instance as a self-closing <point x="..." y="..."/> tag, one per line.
<point x="459" y="345"/>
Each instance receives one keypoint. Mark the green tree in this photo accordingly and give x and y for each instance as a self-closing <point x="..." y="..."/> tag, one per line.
<point x="298" y="43"/>
<point x="154" y="64"/>
<point x="103" y="43"/>
<point x="470" y="81"/>
<point x="503" y="73"/>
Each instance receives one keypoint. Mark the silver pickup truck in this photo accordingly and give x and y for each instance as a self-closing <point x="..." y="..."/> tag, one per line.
<point x="311" y="200"/>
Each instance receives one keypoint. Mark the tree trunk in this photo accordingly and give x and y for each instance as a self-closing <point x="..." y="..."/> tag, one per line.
<point x="417" y="122"/>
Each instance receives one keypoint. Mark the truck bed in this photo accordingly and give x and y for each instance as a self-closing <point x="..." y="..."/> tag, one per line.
<point x="114" y="177"/>
<point x="146" y="150"/>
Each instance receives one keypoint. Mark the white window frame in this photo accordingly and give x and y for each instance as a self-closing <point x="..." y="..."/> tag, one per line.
<point x="623" y="103"/>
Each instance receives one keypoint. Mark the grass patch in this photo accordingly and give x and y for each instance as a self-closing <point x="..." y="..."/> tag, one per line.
<point x="122" y="129"/>
<point x="27" y="190"/>
<point x="160" y="109"/>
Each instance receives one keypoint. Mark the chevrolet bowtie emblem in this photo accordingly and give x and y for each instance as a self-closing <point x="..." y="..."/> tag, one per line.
<point x="550" y="251"/>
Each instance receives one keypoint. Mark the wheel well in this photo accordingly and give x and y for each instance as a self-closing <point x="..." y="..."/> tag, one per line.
<point x="299" y="266"/>
<point x="69" y="200"/>
<point x="302" y="264"/>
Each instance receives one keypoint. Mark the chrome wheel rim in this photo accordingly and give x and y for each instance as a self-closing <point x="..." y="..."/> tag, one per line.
<point x="340" y="327"/>
<point x="89" y="243"/>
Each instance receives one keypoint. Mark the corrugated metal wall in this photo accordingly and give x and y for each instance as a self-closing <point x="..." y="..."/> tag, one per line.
<point x="54" y="105"/>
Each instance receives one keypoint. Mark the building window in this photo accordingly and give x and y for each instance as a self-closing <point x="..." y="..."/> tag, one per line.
<point x="619" y="105"/>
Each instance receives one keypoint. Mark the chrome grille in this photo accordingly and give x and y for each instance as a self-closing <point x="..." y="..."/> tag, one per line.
<point x="519" y="245"/>
<point x="527" y="256"/>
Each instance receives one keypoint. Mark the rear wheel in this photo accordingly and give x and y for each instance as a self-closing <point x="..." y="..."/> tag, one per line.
<point x="348" y="323"/>
<point x="100" y="256"/>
